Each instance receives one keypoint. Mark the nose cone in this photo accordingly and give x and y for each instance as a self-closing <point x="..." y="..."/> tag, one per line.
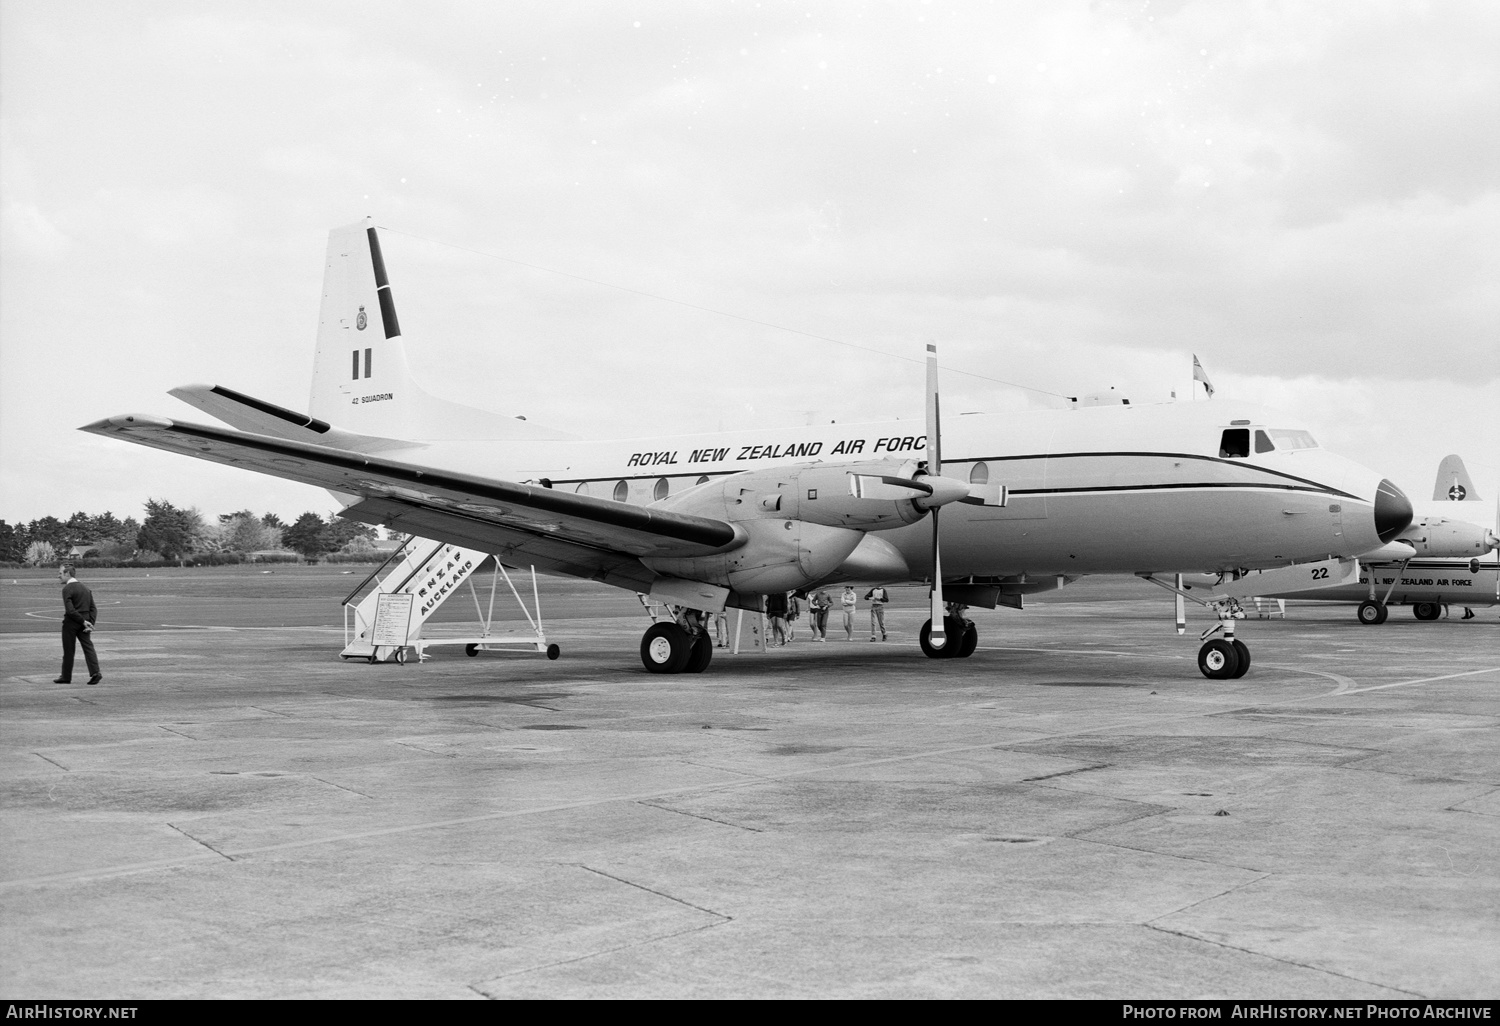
<point x="1392" y="511"/>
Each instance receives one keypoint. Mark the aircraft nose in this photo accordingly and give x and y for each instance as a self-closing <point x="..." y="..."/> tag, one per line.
<point x="1392" y="511"/>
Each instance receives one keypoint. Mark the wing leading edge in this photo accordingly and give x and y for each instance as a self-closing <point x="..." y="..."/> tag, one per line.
<point x="578" y="535"/>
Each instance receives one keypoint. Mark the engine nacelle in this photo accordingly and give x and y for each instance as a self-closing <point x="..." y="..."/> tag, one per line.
<point x="815" y="493"/>
<point x="776" y="555"/>
<point x="1439" y="536"/>
<point x="799" y="523"/>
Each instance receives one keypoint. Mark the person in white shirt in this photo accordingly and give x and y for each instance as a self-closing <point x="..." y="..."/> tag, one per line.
<point x="847" y="601"/>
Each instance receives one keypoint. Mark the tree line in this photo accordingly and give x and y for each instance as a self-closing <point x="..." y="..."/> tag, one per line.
<point x="171" y="533"/>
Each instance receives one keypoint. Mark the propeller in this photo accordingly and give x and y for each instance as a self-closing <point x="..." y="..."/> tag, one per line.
<point x="930" y="490"/>
<point x="937" y="638"/>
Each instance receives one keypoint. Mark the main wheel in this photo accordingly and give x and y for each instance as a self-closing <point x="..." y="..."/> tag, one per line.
<point x="1242" y="651"/>
<point x="471" y="650"/>
<point x="701" y="654"/>
<point x="970" y="640"/>
<point x="665" y="648"/>
<point x="1427" y="610"/>
<point x="553" y="651"/>
<point x="1218" y="660"/>
<point x="1372" y="612"/>
<point x="953" y="631"/>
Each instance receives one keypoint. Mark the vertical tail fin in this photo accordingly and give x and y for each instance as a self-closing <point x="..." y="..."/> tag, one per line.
<point x="1453" y="482"/>
<point x="361" y="378"/>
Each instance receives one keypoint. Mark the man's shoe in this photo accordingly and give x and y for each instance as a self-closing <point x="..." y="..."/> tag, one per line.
<point x="96" y="678"/>
<point x="63" y="680"/>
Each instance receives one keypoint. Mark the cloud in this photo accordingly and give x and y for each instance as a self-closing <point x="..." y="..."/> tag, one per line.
<point x="1065" y="195"/>
<point x="29" y="235"/>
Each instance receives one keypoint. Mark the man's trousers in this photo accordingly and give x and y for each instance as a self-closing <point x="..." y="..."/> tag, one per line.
<point x="72" y="633"/>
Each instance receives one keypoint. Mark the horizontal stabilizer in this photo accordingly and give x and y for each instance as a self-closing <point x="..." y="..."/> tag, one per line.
<point x="264" y="418"/>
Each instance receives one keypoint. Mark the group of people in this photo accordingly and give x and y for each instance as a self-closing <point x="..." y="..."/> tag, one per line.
<point x="784" y="610"/>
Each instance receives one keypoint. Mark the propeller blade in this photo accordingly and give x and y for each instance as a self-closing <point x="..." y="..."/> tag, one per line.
<point x="987" y="495"/>
<point x="873" y="486"/>
<point x="937" y="638"/>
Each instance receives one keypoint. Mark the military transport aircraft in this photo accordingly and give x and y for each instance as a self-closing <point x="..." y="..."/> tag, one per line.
<point x="1445" y="556"/>
<point x="703" y="522"/>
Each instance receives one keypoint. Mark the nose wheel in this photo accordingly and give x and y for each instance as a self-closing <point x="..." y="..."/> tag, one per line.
<point x="1224" y="659"/>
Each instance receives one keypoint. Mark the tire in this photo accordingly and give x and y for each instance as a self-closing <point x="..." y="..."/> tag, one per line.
<point x="1426" y="610"/>
<point x="665" y="647"/>
<point x="953" y="628"/>
<point x="970" y="640"/>
<point x="1242" y="651"/>
<point x="1371" y="612"/>
<point x="1217" y="660"/>
<point x="553" y="651"/>
<point x="700" y="656"/>
<point x="471" y="650"/>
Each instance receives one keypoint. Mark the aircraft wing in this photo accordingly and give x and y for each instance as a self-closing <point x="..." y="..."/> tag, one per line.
<point x="578" y="535"/>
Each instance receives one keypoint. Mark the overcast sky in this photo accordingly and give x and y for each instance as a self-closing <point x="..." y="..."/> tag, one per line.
<point x="1069" y="196"/>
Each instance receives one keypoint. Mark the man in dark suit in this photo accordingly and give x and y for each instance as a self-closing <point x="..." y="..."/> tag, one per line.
<point x="79" y="614"/>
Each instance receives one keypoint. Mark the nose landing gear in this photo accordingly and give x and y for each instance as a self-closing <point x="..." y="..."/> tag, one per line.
<point x="1226" y="658"/>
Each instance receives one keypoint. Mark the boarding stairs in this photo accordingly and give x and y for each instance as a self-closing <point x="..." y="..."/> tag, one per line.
<point x="389" y="621"/>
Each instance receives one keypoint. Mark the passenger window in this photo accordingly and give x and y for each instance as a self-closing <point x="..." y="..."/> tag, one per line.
<point x="1262" y="443"/>
<point x="1236" y="442"/>
<point x="622" y="491"/>
<point x="702" y="480"/>
<point x="583" y="488"/>
<point x="980" y="474"/>
<point x="660" y="491"/>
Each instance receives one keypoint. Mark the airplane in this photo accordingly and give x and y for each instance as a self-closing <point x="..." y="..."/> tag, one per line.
<point x="1438" y="560"/>
<point x="1026" y="502"/>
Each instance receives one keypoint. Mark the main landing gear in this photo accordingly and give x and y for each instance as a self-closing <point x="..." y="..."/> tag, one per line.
<point x="681" y="645"/>
<point x="1372" y="612"/>
<point x="962" y="635"/>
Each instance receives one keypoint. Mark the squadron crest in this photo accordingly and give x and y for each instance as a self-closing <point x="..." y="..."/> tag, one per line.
<point x="361" y="320"/>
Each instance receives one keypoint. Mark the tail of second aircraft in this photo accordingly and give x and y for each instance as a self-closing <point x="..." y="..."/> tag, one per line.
<point x="362" y="381"/>
<point x="1453" y="482"/>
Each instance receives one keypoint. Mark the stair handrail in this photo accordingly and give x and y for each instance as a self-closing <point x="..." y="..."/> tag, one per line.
<point x="400" y="552"/>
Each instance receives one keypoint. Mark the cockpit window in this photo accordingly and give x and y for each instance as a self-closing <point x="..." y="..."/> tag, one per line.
<point x="1236" y="442"/>
<point x="1262" y="443"/>
<point x="1291" y="438"/>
